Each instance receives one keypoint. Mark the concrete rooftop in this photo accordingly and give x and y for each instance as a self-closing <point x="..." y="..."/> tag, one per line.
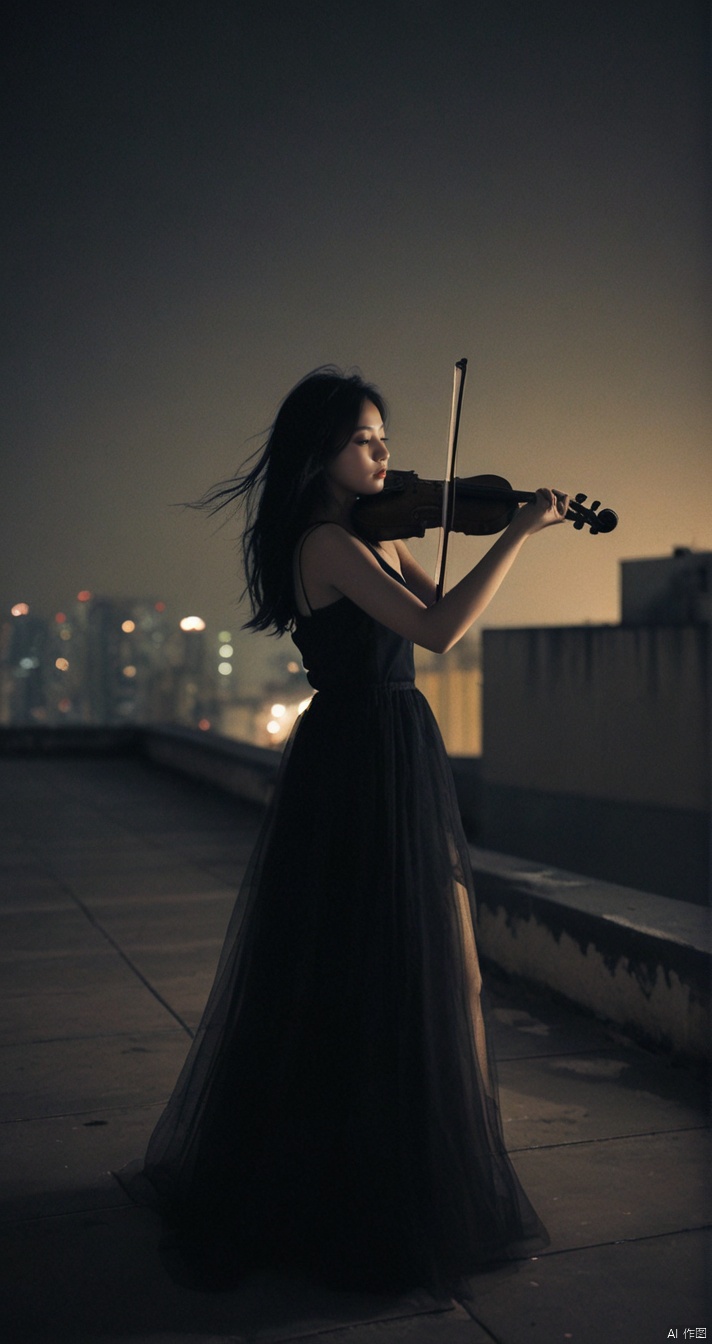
<point x="117" y="880"/>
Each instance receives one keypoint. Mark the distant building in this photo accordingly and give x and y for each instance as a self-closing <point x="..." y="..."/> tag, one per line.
<point x="453" y="688"/>
<point x="668" y="590"/>
<point x="23" y="652"/>
<point x="106" y="660"/>
<point x="112" y="660"/>
<point x="597" y="743"/>
<point x="117" y="648"/>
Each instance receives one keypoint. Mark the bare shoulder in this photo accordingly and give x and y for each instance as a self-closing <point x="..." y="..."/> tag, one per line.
<point x="328" y="538"/>
<point x="324" y="558"/>
<point x="330" y="549"/>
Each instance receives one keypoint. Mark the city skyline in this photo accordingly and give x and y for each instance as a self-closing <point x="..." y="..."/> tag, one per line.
<point x="131" y="661"/>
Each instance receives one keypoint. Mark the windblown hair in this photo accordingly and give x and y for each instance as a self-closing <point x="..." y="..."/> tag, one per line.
<point x="286" y="488"/>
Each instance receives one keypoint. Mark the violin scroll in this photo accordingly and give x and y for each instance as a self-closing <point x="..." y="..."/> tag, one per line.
<point x="605" y="521"/>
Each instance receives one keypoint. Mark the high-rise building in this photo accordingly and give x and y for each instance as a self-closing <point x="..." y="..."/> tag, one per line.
<point x="23" y="645"/>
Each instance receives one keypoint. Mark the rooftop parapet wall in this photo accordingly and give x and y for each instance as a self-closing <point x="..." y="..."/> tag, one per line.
<point x="596" y="753"/>
<point x="607" y="712"/>
<point x="631" y="957"/>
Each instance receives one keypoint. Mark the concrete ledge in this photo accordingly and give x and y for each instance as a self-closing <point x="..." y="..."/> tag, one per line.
<point x="635" y="959"/>
<point x="247" y="771"/>
<point x="76" y="739"/>
<point x="238" y="767"/>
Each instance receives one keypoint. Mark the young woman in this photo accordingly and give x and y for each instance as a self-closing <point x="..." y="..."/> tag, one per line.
<point x="337" y="1113"/>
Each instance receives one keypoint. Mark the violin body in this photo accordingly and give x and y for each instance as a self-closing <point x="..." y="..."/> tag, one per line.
<point x="408" y="506"/>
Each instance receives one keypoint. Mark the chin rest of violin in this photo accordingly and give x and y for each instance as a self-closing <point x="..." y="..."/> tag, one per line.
<point x="406" y="507"/>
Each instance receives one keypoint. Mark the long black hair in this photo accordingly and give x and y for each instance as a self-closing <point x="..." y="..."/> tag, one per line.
<point x="286" y="488"/>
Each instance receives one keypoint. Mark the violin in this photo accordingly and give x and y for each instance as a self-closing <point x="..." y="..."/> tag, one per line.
<point x="407" y="506"/>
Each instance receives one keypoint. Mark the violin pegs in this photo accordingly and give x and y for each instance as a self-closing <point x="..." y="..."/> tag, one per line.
<point x="595" y="505"/>
<point x="580" y="499"/>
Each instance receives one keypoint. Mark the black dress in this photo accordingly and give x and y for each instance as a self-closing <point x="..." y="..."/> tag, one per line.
<point x="337" y="1112"/>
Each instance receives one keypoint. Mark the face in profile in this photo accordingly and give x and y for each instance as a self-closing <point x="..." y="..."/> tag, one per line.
<point x="360" y="467"/>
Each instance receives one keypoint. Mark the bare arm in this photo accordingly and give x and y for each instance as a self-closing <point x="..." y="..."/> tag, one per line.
<point x="418" y="581"/>
<point x="338" y="564"/>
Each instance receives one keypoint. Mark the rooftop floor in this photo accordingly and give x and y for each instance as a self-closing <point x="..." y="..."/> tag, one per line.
<point x="117" y="879"/>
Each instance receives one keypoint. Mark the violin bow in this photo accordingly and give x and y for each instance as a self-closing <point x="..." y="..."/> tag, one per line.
<point x="458" y="388"/>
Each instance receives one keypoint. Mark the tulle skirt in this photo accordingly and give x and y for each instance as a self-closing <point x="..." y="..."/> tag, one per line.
<point x="337" y="1113"/>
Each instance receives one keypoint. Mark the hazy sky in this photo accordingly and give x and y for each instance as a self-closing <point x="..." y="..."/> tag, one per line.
<point x="203" y="201"/>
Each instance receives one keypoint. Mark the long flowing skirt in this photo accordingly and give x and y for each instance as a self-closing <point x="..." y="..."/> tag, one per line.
<point x="337" y="1113"/>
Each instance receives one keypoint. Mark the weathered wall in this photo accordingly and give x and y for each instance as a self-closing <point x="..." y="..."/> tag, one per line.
<point x="596" y="752"/>
<point x="632" y="958"/>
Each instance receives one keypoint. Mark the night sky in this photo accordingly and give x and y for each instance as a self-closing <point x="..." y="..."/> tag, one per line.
<point x="203" y="201"/>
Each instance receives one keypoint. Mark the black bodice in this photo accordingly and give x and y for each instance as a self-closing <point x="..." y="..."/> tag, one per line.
<point x="345" y="649"/>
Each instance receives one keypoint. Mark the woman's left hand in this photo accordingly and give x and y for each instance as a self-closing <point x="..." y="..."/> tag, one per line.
<point x="548" y="507"/>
